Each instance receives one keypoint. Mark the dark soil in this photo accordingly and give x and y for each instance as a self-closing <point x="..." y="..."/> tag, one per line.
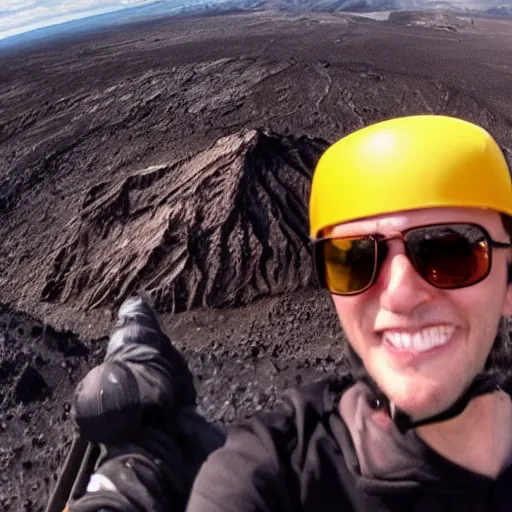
<point x="175" y="159"/>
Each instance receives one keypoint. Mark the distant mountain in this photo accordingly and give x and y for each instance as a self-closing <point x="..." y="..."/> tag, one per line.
<point x="165" y="8"/>
<point x="500" y="10"/>
<point x="482" y="6"/>
<point x="334" y="5"/>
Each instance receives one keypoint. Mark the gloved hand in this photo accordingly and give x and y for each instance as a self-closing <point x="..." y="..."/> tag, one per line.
<point x="144" y="380"/>
<point x="154" y="472"/>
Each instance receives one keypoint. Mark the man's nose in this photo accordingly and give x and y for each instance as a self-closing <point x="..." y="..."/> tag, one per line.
<point x="403" y="289"/>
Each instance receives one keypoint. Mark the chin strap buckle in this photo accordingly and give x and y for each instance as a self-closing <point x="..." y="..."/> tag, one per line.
<point x="480" y="386"/>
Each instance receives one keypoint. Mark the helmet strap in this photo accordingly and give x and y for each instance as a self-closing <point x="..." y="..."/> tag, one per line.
<point x="493" y="378"/>
<point x="482" y="384"/>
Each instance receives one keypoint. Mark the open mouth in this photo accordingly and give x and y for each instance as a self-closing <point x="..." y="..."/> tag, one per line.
<point x="423" y="340"/>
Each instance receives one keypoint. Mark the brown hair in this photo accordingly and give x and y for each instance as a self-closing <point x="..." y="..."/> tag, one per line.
<point x="507" y="224"/>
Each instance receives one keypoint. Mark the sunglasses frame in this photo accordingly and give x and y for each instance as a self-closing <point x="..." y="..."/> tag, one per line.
<point x="380" y="256"/>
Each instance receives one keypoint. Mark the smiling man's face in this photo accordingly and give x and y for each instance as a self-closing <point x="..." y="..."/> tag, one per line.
<point x="392" y="325"/>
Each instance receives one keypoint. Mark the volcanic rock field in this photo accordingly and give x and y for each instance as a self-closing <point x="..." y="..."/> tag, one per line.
<point x="174" y="158"/>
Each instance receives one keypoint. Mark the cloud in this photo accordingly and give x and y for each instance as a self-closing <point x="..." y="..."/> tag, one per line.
<point x="16" y="5"/>
<point x="132" y="2"/>
<point x="18" y="16"/>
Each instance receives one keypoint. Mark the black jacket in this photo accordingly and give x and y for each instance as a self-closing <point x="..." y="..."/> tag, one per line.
<point x="302" y="457"/>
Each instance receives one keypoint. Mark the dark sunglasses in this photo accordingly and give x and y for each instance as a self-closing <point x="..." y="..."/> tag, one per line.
<point x="447" y="256"/>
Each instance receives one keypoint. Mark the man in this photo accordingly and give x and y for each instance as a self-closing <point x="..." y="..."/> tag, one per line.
<point x="410" y="222"/>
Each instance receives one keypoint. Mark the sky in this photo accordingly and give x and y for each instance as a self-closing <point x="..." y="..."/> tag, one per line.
<point x="18" y="16"/>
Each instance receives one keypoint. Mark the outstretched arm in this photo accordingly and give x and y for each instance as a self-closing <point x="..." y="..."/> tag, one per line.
<point x="250" y="473"/>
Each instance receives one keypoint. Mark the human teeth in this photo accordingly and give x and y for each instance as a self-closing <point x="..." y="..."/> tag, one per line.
<point x="420" y="341"/>
<point x="405" y="340"/>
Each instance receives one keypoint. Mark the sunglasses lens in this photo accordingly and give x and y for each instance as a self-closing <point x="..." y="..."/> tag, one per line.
<point x="349" y="264"/>
<point x="449" y="256"/>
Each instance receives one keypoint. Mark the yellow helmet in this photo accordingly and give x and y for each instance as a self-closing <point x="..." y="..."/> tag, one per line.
<point x="409" y="163"/>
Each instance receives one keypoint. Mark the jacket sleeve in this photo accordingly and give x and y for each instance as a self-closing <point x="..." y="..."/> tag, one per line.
<point x="250" y="473"/>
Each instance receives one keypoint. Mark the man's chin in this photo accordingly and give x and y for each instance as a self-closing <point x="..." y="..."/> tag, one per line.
<point x="420" y="405"/>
